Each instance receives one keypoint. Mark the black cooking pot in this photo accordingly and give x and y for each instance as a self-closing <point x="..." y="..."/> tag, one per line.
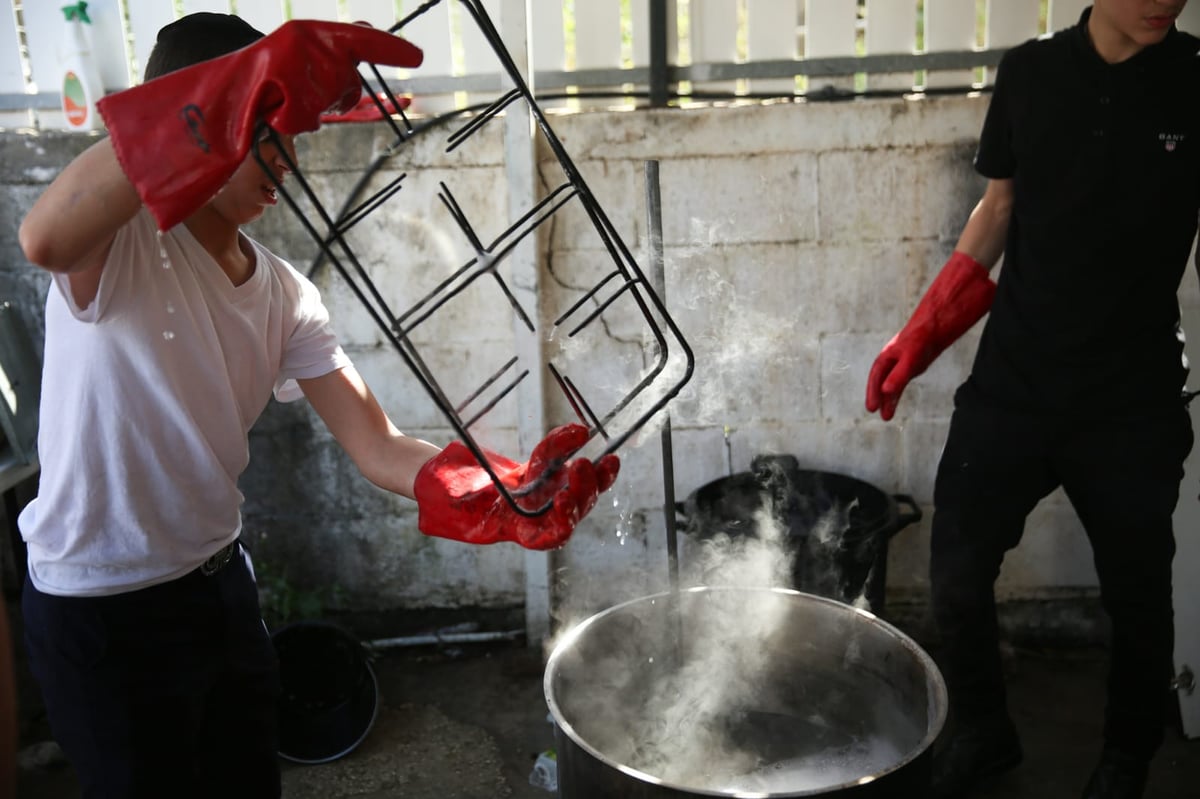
<point x="837" y="526"/>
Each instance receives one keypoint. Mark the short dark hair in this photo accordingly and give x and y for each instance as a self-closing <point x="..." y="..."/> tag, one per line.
<point x="195" y="38"/>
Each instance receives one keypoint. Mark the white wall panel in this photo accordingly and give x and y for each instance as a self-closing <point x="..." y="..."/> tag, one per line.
<point x="1010" y="22"/>
<point x="314" y="9"/>
<point x="1189" y="20"/>
<point x="266" y="15"/>
<point x="431" y="32"/>
<point x="597" y="43"/>
<point x="949" y="25"/>
<point x="215" y="6"/>
<point x="640" y="15"/>
<point x="478" y="56"/>
<point x="829" y="30"/>
<point x="1065" y="13"/>
<point x="12" y="77"/>
<point x="891" y="28"/>
<point x="145" y="20"/>
<point x="772" y="32"/>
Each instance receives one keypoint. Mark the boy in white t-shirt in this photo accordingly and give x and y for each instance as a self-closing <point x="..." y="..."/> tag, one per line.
<point x="167" y="330"/>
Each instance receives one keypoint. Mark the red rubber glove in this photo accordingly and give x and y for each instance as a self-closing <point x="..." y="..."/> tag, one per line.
<point x="457" y="499"/>
<point x="365" y="110"/>
<point x="180" y="136"/>
<point x="959" y="297"/>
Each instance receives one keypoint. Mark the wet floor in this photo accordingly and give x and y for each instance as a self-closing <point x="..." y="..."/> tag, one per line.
<point x="470" y="721"/>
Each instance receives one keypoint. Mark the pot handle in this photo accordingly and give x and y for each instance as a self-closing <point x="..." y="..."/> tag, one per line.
<point x="904" y="519"/>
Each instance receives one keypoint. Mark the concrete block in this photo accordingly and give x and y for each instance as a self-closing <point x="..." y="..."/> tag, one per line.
<point x="15" y="202"/>
<point x="775" y="128"/>
<point x="601" y="566"/>
<point x="908" y="556"/>
<point x="735" y="385"/>
<point x="800" y="237"/>
<point x="845" y="363"/>
<point x="930" y="193"/>
<point x="355" y="148"/>
<point x="860" y="286"/>
<point x="408" y="403"/>
<point x="767" y="198"/>
<point x="922" y="442"/>
<point x="1054" y="551"/>
<point x="35" y="158"/>
<point x="618" y="186"/>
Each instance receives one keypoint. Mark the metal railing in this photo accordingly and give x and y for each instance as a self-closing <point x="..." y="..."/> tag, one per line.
<point x="645" y="52"/>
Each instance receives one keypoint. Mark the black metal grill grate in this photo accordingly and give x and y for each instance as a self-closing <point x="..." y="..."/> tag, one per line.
<point x="611" y="348"/>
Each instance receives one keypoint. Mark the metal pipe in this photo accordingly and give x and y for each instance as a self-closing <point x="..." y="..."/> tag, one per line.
<point x="658" y="54"/>
<point x="658" y="282"/>
<point x="428" y="639"/>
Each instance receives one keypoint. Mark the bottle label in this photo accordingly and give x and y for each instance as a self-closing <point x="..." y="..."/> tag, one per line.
<point x="74" y="100"/>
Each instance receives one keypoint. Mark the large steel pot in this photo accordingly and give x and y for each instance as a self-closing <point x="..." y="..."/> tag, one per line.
<point x="742" y="691"/>
<point x="800" y="501"/>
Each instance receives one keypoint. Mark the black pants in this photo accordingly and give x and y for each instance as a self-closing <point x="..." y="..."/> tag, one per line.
<point x="1122" y="476"/>
<point x="166" y="691"/>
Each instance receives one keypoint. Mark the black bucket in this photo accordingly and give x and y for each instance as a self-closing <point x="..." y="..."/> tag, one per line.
<point x="865" y="518"/>
<point x="330" y="696"/>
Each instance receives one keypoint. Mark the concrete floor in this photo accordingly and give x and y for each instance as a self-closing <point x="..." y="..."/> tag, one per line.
<point x="469" y="721"/>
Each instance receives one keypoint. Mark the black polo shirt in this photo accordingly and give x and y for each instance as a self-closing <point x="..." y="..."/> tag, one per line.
<point x="1105" y="162"/>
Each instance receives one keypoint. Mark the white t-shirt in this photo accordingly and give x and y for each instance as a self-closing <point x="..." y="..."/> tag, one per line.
<point x="148" y="396"/>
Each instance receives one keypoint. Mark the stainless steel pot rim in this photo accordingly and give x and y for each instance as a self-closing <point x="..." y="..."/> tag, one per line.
<point x="940" y="700"/>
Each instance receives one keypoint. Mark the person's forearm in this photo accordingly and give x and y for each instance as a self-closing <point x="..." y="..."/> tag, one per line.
<point x="393" y="463"/>
<point x="983" y="237"/>
<point x="79" y="212"/>
<point x="383" y="454"/>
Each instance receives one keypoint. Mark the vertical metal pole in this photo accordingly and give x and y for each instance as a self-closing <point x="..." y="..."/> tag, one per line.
<point x="520" y="168"/>
<point x="659" y="30"/>
<point x="658" y="282"/>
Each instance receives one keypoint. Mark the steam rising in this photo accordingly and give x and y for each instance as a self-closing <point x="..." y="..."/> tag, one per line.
<point x="714" y="700"/>
<point x="708" y="706"/>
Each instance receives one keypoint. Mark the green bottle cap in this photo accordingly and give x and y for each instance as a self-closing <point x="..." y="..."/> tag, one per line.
<point x="77" y="12"/>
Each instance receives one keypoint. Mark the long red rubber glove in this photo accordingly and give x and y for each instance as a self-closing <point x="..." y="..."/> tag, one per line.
<point x="457" y="499"/>
<point x="365" y="110"/>
<point x="959" y="297"/>
<point x="181" y="136"/>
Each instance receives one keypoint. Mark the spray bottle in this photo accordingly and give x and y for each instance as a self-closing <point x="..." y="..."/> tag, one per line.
<point x="81" y="84"/>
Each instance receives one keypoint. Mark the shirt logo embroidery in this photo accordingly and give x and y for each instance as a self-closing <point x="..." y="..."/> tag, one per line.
<point x="1171" y="140"/>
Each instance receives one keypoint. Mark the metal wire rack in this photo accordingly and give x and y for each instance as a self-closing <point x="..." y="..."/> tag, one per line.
<point x="612" y="303"/>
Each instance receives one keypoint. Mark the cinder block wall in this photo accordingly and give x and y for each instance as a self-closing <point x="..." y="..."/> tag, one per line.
<point x="798" y="238"/>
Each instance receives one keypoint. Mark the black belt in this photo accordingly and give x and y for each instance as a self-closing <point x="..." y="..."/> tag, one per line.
<point x="218" y="560"/>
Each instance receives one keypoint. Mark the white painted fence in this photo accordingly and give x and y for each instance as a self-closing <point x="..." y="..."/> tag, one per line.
<point x="708" y="41"/>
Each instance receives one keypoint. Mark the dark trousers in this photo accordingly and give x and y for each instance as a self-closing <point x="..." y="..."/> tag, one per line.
<point x="166" y="691"/>
<point x="1122" y="476"/>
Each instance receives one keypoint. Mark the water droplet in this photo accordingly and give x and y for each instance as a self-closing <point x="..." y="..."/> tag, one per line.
<point x="170" y="308"/>
<point x="162" y="251"/>
<point x="168" y="335"/>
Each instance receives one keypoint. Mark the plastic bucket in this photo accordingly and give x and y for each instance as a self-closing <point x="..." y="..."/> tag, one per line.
<point x="330" y="696"/>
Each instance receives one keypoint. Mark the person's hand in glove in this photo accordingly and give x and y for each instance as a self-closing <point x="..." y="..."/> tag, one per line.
<point x="180" y="136"/>
<point x="457" y="499"/>
<point x="959" y="297"/>
<point x="368" y="110"/>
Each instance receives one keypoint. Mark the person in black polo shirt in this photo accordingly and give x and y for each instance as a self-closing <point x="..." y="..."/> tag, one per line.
<point x="1090" y="150"/>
